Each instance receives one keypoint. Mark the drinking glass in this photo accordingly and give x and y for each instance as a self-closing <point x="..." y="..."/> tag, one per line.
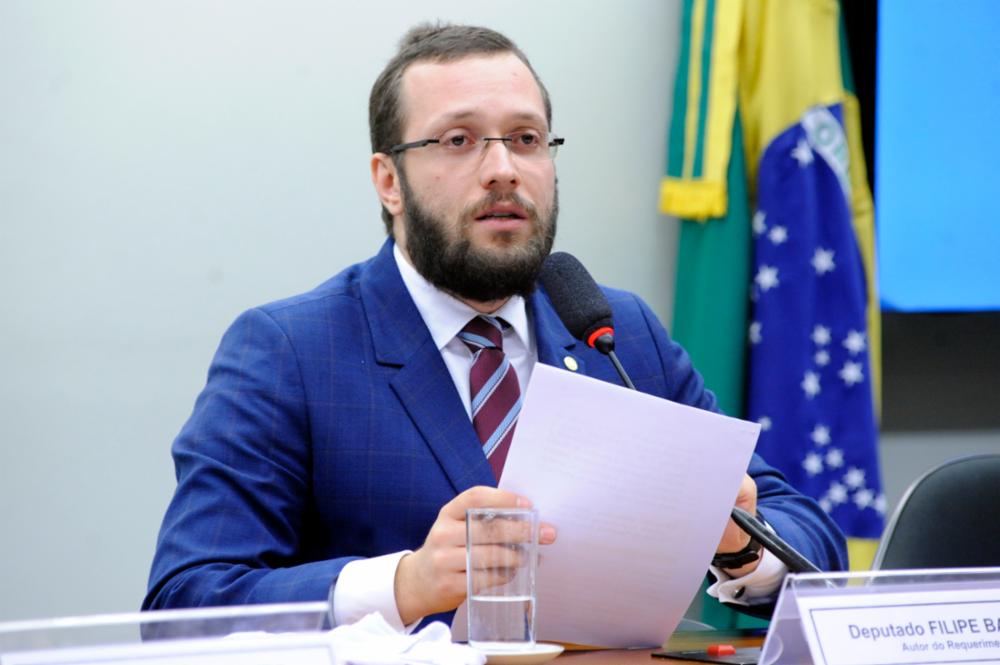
<point x="501" y="550"/>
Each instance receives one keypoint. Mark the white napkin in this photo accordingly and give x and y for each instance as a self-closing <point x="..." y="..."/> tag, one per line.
<point x="372" y="641"/>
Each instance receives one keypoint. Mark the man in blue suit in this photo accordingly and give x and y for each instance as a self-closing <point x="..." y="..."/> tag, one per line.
<point x="333" y="452"/>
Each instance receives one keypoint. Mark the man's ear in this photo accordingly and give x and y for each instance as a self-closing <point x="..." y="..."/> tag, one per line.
<point x="385" y="177"/>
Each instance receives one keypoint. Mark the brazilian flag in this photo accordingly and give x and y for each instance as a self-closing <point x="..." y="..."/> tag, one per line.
<point x="776" y="300"/>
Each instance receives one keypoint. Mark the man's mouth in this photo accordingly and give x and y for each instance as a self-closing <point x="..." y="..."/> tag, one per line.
<point x="502" y="213"/>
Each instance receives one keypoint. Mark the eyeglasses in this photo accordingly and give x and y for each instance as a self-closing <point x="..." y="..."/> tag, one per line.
<point x="460" y="143"/>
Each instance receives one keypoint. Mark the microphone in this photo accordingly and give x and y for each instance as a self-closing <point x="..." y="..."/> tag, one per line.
<point x="584" y="310"/>
<point x="581" y="306"/>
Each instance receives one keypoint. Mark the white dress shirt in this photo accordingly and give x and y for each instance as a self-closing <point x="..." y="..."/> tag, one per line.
<point x="760" y="586"/>
<point x="368" y="585"/>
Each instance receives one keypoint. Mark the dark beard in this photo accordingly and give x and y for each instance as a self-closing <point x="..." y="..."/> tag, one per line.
<point x="465" y="271"/>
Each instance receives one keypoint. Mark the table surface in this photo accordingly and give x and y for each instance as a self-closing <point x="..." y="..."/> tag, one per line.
<point x="678" y="642"/>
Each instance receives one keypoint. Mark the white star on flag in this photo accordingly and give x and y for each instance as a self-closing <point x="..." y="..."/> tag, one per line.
<point x="755" y="330"/>
<point x="851" y="373"/>
<point x="822" y="261"/>
<point x="810" y="384"/>
<point x="758" y="222"/>
<point x="821" y="335"/>
<point x="864" y="498"/>
<point x="802" y="153"/>
<point x="767" y="278"/>
<point x="822" y="358"/>
<point x="837" y="493"/>
<point x="855" y="342"/>
<point x="835" y="458"/>
<point x="778" y="235"/>
<point x="854" y="478"/>
<point x="879" y="504"/>
<point x="825" y="504"/>
<point x="764" y="422"/>
<point x="820" y="435"/>
<point x="813" y="464"/>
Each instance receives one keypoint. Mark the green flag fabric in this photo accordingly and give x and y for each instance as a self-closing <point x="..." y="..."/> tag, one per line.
<point x="706" y="179"/>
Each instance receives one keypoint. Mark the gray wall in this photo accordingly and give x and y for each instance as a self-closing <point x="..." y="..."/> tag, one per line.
<point x="166" y="164"/>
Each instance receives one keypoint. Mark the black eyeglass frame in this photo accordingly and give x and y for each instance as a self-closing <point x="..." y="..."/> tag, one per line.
<point x="553" y="143"/>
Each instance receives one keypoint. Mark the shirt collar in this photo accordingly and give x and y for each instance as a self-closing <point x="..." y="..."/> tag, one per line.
<point x="446" y="315"/>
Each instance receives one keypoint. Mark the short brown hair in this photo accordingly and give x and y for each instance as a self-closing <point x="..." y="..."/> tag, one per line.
<point x="437" y="43"/>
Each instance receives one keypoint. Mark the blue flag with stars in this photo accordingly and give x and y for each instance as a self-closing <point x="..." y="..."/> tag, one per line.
<point x="810" y="377"/>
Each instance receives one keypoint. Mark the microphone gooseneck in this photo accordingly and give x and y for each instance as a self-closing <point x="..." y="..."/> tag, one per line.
<point x="784" y="552"/>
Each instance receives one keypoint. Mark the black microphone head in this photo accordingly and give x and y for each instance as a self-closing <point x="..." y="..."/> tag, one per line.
<point x="579" y="302"/>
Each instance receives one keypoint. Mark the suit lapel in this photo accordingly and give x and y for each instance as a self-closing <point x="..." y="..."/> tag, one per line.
<point x="556" y="346"/>
<point x="422" y="383"/>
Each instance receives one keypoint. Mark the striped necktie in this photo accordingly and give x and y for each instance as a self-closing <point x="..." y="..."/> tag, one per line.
<point x="496" y="396"/>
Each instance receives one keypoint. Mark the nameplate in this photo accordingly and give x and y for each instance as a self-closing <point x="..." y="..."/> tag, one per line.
<point x="868" y="626"/>
<point x="249" y="649"/>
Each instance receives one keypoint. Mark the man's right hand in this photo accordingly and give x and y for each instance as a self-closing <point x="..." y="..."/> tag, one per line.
<point x="432" y="579"/>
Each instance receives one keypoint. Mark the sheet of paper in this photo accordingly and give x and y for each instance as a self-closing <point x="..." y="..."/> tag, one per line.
<point x="639" y="488"/>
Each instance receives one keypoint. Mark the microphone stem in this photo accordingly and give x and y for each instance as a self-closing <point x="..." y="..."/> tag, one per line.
<point x="621" y="370"/>
<point x="785" y="553"/>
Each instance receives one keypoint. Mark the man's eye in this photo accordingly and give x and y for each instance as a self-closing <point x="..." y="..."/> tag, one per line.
<point x="527" y="139"/>
<point x="457" y="140"/>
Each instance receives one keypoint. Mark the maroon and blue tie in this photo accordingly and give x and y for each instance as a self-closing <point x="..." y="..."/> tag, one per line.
<point x="496" y="396"/>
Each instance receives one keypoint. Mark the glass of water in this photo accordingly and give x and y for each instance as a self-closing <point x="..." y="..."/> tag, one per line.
<point x="501" y="552"/>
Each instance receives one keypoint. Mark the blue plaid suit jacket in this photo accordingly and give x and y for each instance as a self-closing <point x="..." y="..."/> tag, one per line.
<point x="329" y="430"/>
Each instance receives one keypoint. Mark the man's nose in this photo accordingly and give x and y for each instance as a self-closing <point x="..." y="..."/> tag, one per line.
<point x="498" y="169"/>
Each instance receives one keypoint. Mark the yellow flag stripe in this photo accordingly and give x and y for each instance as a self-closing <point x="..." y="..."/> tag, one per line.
<point x="694" y="86"/>
<point x="722" y="90"/>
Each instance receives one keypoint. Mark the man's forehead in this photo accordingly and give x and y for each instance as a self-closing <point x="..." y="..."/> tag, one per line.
<point x="468" y="87"/>
<point x="472" y="114"/>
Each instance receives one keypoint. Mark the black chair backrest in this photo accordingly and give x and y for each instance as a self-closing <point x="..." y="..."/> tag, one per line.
<point x="948" y="518"/>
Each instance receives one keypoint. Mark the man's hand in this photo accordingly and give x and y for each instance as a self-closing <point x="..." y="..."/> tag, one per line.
<point x="432" y="579"/>
<point x="734" y="538"/>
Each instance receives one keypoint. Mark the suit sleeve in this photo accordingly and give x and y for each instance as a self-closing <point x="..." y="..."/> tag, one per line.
<point x="232" y="531"/>
<point x="795" y="517"/>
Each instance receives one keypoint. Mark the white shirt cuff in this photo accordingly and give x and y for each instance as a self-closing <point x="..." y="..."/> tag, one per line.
<point x="754" y="588"/>
<point x="368" y="585"/>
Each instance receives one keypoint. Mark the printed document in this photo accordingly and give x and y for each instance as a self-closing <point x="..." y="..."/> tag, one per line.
<point x="639" y="489"/>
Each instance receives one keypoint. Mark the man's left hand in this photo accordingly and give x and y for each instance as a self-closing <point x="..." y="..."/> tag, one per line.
<point x="734" y="538"/>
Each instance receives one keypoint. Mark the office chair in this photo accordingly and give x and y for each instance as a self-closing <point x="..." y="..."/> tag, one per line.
<point x="948" y="518"/>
